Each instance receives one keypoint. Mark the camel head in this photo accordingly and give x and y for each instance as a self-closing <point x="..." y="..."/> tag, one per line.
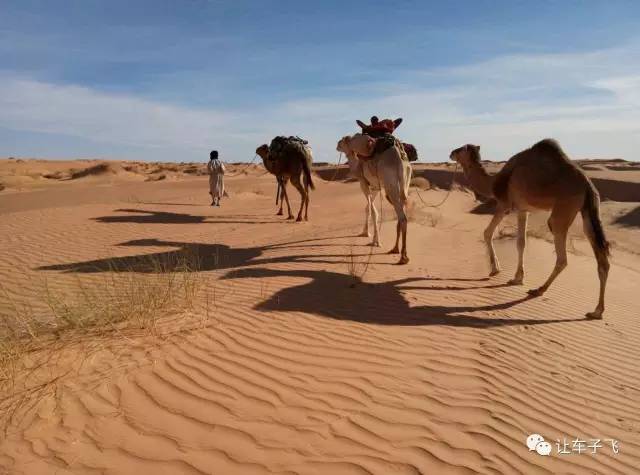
<point x="467" y="154"/>
<point x="344" y="145"/>
<point x="379" y="127"/>
<point x="263" y="151"/>
<point x="360" y="144"/>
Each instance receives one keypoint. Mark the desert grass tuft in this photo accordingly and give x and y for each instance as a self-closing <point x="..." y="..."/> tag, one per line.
<point x="356" y="267"/>
<point x="135" y="297"/>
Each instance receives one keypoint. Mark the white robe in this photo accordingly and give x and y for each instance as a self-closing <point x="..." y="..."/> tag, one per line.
<point x="216" y="178"/>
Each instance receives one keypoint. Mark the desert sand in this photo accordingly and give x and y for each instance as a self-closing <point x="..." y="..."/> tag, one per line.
<point x="294" y="347"/>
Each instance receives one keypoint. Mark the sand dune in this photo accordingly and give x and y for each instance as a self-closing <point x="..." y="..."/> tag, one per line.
<point x="313" y="353"/>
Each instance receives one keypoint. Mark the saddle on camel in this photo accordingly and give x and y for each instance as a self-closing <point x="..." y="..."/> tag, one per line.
<point x="382" y="131"/>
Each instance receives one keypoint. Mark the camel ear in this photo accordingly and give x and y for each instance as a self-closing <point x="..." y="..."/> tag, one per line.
<point x="397" y="122"/>
<point x="362" y="126"/>
<point x="374" y="119"/>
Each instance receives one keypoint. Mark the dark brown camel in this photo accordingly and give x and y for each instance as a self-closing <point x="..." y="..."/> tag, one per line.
<point x="289" y="160"/>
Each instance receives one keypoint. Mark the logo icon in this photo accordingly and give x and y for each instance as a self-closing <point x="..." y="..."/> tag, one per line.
<point x="536" y="442"/>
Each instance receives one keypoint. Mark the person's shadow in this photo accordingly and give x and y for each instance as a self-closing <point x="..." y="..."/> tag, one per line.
<point x="344" y="297"/>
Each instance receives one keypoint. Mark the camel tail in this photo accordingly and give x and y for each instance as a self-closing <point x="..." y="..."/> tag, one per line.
<point x="307" y="171"/>
<point x="591" y="213"/>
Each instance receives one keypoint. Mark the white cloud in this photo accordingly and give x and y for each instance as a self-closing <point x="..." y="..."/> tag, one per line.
<point x="588" y="101"/>
<point x="79" y="111"/>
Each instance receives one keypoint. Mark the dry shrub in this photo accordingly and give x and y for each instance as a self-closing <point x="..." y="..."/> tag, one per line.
<point x="133" y="298"/>
<point x="54" y="176"/>
<point x="99" y="169"/>
<point x="357" y="266"/>
<point x="156" y="177"/>
<point x="133" y="199"/>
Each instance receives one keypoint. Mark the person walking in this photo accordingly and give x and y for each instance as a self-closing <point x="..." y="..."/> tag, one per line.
<point x="216" y="178"/>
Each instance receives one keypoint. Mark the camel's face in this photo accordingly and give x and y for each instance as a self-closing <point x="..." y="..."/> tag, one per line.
<point x="465" y="154"/>
<point x="263" y="151"/>
<point x="343" y="145"/>
<point x="362" y="144"/>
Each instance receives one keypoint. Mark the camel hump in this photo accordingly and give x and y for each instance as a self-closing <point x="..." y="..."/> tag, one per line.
<point x="282" y="145"/>
<point x="549" y="146"/>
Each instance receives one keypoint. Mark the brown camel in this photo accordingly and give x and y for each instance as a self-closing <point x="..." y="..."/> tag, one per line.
<point x="541" y="177"/>
<point x="288" y="160"/>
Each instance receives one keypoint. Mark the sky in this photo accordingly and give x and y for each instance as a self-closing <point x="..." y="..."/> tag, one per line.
<point x="164" y="80"/>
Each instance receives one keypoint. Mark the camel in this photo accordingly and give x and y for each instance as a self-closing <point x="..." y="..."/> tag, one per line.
<point x="356" y="170"/>
<point x="388" y="169"/>
<point x="288" y="160"/>
<point x="540" y="178"/>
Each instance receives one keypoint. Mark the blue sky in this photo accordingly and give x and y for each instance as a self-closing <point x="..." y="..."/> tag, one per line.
<point x="170" y="80"/>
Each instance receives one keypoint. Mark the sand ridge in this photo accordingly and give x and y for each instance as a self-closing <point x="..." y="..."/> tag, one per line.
<point x="307" y="368"/>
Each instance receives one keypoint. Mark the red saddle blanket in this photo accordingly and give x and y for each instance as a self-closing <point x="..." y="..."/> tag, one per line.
<point x="380" y="128"/>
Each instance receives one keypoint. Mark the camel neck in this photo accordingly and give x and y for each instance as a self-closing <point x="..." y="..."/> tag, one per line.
<point x="479" y="179"/>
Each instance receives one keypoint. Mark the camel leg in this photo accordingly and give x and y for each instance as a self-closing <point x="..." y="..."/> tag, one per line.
<point x="401" y="228"/>
<point x="280" y="195"/>
<point x="603" y="266"/>
<point x="396" y="249"/>
<point x="488" y="239"/>
<point x="522" y="242"/>
<point x="306" y="201"/>
<point x="295" y="181"/>
<point x="365" y="190"/>
<point x="560" y="222"/>
<point x="376" y="219"/>
<point x="286" y="198"/>
<point x="367" y="213"/>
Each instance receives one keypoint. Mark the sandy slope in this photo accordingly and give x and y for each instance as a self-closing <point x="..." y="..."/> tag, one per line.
<point x="424" y="368"/>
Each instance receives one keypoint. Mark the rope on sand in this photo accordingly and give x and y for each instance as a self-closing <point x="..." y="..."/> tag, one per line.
<point x="244" y="168"/>
<point x="335" y="174"/>
<point x="453" y="178"/>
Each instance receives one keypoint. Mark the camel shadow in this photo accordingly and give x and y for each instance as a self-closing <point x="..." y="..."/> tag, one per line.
<point x="344" y="297"/>
<point x="141" y="216"/>
<point x="150" y="217"/>
<point x="195" y="256"/>
<point x="487" y="207"/>
<point x="630" y="219"/>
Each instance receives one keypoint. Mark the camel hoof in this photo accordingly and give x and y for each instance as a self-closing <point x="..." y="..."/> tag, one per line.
<point x="515" y="281"/>
<point x="403" y="260"/>
<point x="394" y="251"/>
<point x="595" y="315"/>
<point x="290" y="217"/>
<point x="298" y="219"/>
<point x="363" y="234"/>
<point x="536" y="292"/>
<point x="279" y="213"/>
<point x="374" y="244"/>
